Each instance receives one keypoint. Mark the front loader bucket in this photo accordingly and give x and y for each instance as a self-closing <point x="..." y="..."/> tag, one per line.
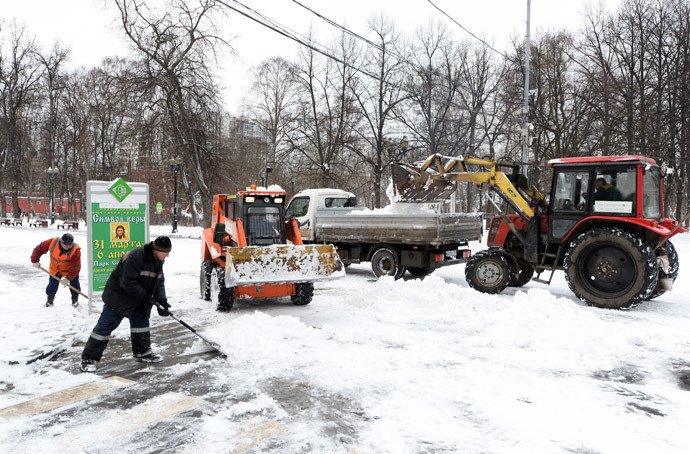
<point x="414" y="185"/>
<point x="281" y="264"/>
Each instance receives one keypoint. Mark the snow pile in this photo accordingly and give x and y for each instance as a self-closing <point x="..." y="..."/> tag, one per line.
<point x="378" y="365"/>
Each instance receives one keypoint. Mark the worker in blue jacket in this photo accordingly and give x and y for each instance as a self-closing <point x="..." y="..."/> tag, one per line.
<point x="133" y="288"/>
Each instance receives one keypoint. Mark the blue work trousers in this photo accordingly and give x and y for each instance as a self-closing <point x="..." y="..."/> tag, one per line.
<point x="53" y="285"/>
<point x="109" y="320"/>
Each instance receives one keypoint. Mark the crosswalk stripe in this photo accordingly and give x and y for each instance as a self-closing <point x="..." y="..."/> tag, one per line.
<point x="77" y="439"/>
<point x="256" y="432"/>
<point x="248" y="436"/>
<point x="64" y="397"/>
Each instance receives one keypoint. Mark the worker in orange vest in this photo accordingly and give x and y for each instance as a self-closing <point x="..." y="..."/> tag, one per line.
<point x="65" y="263"/>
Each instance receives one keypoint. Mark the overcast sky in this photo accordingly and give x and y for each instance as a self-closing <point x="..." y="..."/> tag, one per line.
<point x="90" y="29"/>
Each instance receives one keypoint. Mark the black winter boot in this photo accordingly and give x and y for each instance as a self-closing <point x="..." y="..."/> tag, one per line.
<point x="75" y="300"/>
<point x="93" y="350"/>
<point x="51" y="299"/>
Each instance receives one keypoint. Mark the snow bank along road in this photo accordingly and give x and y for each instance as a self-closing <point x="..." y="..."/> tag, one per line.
<point x="377" y="366"/>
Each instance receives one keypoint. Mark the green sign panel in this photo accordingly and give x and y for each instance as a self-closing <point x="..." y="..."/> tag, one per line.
<point x="159" y="207"/>
<point x="120" y="189"/>
<point x="115" y="230"/>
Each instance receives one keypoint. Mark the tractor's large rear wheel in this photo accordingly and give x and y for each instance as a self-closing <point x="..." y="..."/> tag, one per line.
<point x="224" y="296"/>
<point x="669" y="250"/>
<point x="611" y="268"/>
<point x="205" y="279"/>
<point x="488" y="271"/>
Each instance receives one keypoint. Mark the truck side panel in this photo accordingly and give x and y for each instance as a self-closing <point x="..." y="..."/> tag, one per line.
<point x="340" y="226"/>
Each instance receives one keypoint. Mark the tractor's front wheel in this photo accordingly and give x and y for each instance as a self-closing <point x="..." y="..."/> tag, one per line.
<point x="224" y="296"/>
<point x="488" y="271"/>
<point x="205" y="279"/>
<point x="611" y="268"/>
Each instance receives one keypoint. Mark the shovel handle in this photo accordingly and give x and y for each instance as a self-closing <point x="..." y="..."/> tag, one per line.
<point x="68" y="285"/>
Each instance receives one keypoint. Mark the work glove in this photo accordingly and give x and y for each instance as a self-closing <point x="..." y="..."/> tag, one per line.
<point x="36" y="264"/>
<point x="163" y="308"/>
<point x="64" y="281"/>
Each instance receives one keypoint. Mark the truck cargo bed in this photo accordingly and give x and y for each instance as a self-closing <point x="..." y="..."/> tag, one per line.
<point x="339" y="225"/>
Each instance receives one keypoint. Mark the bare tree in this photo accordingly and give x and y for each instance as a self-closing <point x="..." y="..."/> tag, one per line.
<point x="378" y="92"/>
<point x="326" y="116"/>
<point x="20" y="73"/>
<point x="275" y="101"/>
<point x="176" y="47"/>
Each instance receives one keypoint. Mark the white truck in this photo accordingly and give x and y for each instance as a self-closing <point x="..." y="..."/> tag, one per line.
<point x="394" y="239"/>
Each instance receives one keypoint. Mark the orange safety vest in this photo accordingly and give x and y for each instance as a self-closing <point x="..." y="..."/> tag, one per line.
<point x="59" y="262"/>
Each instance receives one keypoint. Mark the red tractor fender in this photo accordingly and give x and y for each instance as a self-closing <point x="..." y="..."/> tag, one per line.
<point x="651" y="230"/>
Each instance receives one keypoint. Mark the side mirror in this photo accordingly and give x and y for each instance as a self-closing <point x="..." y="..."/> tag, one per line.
<point x="219" y="233"/>
<point x="351" y="202"/>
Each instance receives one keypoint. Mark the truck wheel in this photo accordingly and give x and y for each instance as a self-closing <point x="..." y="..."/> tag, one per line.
<point x="611" y="268"/>
<point x="420" y="272"/>
<point x="669" y="250"/>
<point x="385" y="263"/>
<point x="304" y="294"/>
<point x="488" y="271"/>
<point x="521" y="274"/>
<point x="205" y="279"/>
<point x="219" y="292"/>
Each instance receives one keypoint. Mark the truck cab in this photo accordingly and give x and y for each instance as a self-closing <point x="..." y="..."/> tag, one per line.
<point x="304" y="205"/>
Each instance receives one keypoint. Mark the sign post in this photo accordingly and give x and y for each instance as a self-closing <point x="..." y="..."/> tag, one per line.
<point x="117" y="222"/>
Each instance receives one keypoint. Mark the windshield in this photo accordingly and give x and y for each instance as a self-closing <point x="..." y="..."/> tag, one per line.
<point x="298" y="207"/>
<point x="651" y="194"/>
<point x="264" y="225"/>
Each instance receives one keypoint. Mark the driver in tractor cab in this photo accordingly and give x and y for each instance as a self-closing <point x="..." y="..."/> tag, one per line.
<point x="606" y="191"/>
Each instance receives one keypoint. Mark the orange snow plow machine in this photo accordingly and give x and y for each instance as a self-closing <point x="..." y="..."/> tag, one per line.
<point x="252" y="251"/>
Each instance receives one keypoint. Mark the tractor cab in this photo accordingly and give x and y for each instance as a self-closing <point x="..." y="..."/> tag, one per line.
<point x="616" y="188"/>
<point x="263" y="216"/>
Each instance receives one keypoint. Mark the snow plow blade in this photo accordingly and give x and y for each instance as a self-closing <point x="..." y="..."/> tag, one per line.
<point x="281" y="264"/>
<point x="414" y="185"/>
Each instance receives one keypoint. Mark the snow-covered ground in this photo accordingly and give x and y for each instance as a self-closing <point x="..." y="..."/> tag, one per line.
<point x="383" y="366"/>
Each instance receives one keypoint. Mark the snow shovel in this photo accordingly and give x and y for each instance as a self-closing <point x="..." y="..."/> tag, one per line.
<point x="215" y="346"/>
<point x="55" y="277"/>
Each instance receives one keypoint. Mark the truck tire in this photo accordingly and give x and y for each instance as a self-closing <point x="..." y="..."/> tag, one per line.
<point x="611" y="268"/>
<point x="420" y="271"/>
<point x="669" y="250"/>
<point x="303" y="294"/>
<point x="205" y="279"/>
<point x="488" y="271"/>
<point x="384" y="262"/>
<point x="521" y="274"/>
<point x="225" y="297"/>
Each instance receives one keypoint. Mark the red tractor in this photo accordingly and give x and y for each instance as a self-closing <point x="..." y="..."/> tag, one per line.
<point x="252" y="251"/>
<point x="603" y="225"/>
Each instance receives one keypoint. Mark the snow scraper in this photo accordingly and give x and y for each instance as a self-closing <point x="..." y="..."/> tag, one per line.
<point x="214" y="345"/>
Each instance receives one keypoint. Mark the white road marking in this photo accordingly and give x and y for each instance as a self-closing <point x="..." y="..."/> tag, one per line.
<point x="78" y="439"/>
<point x="64" y="397"/>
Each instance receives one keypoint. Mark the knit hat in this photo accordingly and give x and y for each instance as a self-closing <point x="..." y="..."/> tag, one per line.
<point x="162" y="244"/>
<point x="67" y="239"/>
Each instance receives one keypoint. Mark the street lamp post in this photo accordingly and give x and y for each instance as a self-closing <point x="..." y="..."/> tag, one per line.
<point x="52" y="171"/>
<point x="175" y="165"/>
